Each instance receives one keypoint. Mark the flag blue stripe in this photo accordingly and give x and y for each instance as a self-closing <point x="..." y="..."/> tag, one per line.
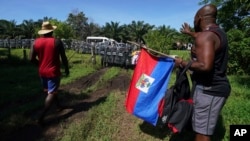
<point x="146" y="106"/>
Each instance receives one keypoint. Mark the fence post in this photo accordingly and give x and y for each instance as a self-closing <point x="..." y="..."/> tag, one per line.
<point x="93" y="58"/>
<point x="24" y="54"/>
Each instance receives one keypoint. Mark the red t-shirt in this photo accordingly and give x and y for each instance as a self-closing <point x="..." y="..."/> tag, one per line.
<point x="49" y="57"/>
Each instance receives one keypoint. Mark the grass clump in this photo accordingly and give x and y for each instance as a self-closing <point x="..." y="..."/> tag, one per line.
<point x="97" y="124"/>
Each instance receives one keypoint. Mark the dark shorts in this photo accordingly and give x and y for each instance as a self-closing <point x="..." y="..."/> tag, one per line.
<point x="50" y="85"/>
<point x="206" y="111"/>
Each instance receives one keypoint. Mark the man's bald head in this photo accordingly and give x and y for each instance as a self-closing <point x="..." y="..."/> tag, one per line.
<point x="205" y="15"/>
<point x="207" y="11"/>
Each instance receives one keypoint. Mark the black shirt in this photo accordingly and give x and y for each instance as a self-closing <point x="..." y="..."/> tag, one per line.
<point x="216" y="82"/>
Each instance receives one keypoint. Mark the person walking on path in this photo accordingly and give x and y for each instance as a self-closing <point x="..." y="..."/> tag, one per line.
<point x="46" y="52"/>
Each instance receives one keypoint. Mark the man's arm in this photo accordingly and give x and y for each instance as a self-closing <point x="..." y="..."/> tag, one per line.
<point x="204" y="51"/>
<point x="63" y="55"/>
<point x="32" y="56"/>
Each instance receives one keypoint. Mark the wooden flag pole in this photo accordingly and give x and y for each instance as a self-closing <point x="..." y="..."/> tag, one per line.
<point x="155" y="51"/>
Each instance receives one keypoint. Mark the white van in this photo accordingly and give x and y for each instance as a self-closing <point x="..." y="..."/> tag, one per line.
<point x="94" y="39"/>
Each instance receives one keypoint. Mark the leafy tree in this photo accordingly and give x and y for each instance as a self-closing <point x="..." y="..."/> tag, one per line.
<point x="157" y="41"/>
<point x="28" y="29"/>
<point x="92" y="29"/>
<point x="239" y="52"/>
<point x="113" y="30"/>
<point x="126" y="35"/>
<point x="139" y="29"/>
<point x="232" y="13"/>
<point x="161" y="38"/>
<point x="3" y="27"/>
<point x="8" y="29"/>
<point x="78" y="21"/>
<point x="63" y="30"/>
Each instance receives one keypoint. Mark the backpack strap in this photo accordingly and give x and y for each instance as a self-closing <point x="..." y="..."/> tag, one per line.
<point x="193" y="89"/>
<point x="192" y="82"/>
<point x="184" y="71"/>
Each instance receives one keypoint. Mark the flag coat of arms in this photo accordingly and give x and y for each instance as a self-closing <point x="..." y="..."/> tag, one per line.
<point x="148" y="86"/>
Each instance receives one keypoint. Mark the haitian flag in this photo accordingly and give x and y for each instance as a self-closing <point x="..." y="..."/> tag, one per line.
<point x="148" y="86"/>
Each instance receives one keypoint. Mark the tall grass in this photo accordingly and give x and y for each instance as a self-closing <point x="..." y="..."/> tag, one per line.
<point x="236" y="111"/>
<point x="80" y="65"/>
<point x="185" y="54"/>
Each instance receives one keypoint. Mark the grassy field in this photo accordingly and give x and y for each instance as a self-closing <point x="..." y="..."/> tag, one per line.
<point x="107" y="121"/>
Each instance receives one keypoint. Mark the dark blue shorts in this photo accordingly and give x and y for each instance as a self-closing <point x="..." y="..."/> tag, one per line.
<point x="50" y="85"/>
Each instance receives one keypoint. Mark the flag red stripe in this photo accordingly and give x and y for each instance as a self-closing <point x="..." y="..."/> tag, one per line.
<point x="139" y="69"/>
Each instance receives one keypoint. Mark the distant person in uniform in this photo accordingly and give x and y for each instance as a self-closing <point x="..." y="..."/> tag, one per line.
<point x="46" y="52"/>
<point x="209" y="71"/>
<point x="135" y="56"/>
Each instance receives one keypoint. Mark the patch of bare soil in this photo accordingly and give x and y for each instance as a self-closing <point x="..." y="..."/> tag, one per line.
<point x="76" y="106"/>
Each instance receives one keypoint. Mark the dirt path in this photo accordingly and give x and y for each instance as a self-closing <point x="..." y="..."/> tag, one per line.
<point x="77" y="106"/>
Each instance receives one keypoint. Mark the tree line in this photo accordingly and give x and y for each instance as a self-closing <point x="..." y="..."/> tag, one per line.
<point x="233" y="17"/>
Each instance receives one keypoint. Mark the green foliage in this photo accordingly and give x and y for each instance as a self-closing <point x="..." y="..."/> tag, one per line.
<point x="157" y="41"/>
<point x="232" y="13"/>
<point x="63" y="30"/>
<point x="239" y="52"/>
<point x="76" y="64"/>
<point x="113" y="71"/>
<point x="185" y="54"/>
<point x="8" y="29"/>
<point x="113" y="30"/>
<point x="236" y="110"/>
<point x="29" y="28"/>
<point x="138" y="30"/>
<point x="78" y="21"/>
<point x="161" y="39"/>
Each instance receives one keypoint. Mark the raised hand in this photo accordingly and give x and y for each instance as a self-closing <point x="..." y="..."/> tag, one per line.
<point x="185" y="28"/>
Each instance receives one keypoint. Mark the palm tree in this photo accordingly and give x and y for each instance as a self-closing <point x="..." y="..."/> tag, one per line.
<point x="28" y="29"/>
<point x="78" y="21"/>
<point x="113" y="30"/>
<point x="91" y="29"/>
<point x="139" y="29"/>
<point x="3" y="26"/>
<point x="8" y="28"/>
<point x="161" y="38"/>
